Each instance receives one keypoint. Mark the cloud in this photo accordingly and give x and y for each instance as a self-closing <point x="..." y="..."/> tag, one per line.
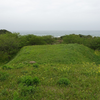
<point x="49" y="13"/>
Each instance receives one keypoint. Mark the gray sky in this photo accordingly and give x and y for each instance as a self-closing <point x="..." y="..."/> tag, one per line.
<point x="50" y="15"/>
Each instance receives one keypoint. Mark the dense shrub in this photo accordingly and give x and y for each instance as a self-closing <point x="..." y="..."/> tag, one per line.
<point x="49" y="39"/>
<point x="31" y="40"/>
<point x="3" y="31"/>
<point x="9" y="45"/>
<point x="63" y="81"/>
<point x="36" y="65"/>
<point x="28" y="80"/>
<point x="72" y="39"/>
<point x="94" y="43"/>
<point x="7" y="67"/>
<point x="89" y="41"/>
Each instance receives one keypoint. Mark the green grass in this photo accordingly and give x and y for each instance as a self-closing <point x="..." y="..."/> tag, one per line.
<point x="63" y="54"/>
<point x="74" y="66"/>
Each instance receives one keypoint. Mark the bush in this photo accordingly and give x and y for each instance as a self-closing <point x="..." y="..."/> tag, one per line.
<point x="63" y="81"/>
<point x="3" y="31"/>
<point x="72" y="38"/>
<point x="9" y="45"/>
<point x="89" y="41"/>
<point x="35" y="65"/>
<point x="3" y="76"/>
<point x="49" y="39"/>
<point x="28" y="80"/>
<point x="7" y="67"/>
<point x="36" y="80"/>
<point x="31" y="39"/>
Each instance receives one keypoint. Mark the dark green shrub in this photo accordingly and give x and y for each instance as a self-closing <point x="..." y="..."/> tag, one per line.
<point x="72" y="38"/>
<point x="9" y="45"/>
<point x="63" y="81"/>
<point x="35" y="65"/>
<point x="48" y="39"/>
<point x="36" y="80"/>
<point x="3" y="76"/>
<point x="24" y="90"/>
<point x="3" y="31"/>
<point x="7" y="67"/>
<point x="28" y="80"/>
<point x="94" y="43"/>
<point x="89" y="41"/>
<point x="31" y="39"/>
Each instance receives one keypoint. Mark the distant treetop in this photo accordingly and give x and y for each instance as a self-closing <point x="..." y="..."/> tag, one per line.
<point x="3" y="31"/>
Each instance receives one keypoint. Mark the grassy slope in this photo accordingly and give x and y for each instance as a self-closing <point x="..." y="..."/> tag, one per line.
<point x="65" y="54"/>
<point x="72" y="61"/>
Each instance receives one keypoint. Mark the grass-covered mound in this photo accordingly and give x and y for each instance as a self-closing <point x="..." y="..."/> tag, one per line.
<point x="62" y="53"/>
<point x="61" y="72"/>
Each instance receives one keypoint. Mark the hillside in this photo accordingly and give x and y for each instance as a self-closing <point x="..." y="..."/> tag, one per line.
<point x="63" y="53"/>
<point x="61" y="72"/>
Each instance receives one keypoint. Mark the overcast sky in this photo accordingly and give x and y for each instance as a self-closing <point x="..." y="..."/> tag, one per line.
<point x="24" y="15"/>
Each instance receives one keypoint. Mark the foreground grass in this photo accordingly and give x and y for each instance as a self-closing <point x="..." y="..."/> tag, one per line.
<point x="84" y="75"/>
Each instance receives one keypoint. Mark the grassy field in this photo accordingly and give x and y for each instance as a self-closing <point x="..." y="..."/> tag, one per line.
<point x="61" y="72"/>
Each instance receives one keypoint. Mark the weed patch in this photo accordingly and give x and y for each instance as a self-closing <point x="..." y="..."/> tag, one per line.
<point x="4" y="92"/>
<point x="27" y="90"/>
<point x="3" y="76"/>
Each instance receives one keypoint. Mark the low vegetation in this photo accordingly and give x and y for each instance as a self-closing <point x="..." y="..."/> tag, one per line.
<point x="63" y="71"/>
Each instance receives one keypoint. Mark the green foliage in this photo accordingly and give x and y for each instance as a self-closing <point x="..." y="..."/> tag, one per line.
<point x="49" y="39"/>
<point x="3" y="31"/>
<point x="94" y="43"/>
<point x="28" y="80"/>
<point x="63" y="81"/>
<point x="72" y="38"/>
<point x="7" y="67"/>
<point x="3" y="76"/>
<point x="91" y="42"/>
<point x="36" y="81"/>
<point x="36" y="65"/>
<point x="31" y="40"/>
<point x="24" y="90"/>
<point x="16" y="96"/>
<point x="9" y="45"/>
<point x="4" y="92"/>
